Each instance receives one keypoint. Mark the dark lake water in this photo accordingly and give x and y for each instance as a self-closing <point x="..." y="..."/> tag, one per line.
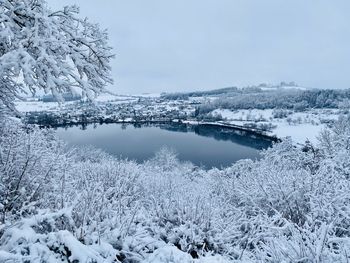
<point x="202" y="145"/>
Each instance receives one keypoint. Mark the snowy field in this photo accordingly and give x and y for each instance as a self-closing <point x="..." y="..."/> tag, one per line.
<point x="30" y="106"/>
<point x="35" y="105"/>
<point x="300" y="126"/>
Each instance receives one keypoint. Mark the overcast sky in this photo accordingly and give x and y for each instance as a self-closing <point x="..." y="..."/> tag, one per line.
<point x="180" y="45"/>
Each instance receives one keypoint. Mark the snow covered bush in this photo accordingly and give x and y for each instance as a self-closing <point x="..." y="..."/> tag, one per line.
<point x="49" y="237"/>
<point x="31" y="166"/>
<point x="280" y="113"/>
<point x="177" y="199"/>
<point x="292" y="205"/>
<point x="106" y="195"/>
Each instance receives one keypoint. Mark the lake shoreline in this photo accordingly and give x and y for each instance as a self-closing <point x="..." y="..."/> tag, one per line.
<point x="201" y="144"/>
<point x="250" y="131"/>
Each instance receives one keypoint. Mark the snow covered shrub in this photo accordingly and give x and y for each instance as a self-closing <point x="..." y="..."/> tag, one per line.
<point x="293" y="203"/>
<point x="301" y="106"/>
<point x="106" y="194"/>
<point x="164" y="160"/>
<point x="49" y="237"/>
<point x="170" y="254"/>
<point x="177" y="199"/>
<point x="279" y="183"/>
<point x="304" y="245"/>
<point x="266" y="126"/>
<point x="31" y="163"/>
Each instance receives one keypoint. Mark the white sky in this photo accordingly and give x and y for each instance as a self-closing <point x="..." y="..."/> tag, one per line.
<point x="180" y="45"/>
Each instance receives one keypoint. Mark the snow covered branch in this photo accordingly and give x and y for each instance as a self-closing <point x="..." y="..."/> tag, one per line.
<point x="55" y="52"/>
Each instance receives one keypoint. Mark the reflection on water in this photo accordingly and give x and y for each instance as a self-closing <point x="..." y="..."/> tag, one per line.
<point x="208" y="146"/>
<point x="222" y="133"/>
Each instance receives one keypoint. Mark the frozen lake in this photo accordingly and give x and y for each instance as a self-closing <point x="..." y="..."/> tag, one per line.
<point x="202" y="145"/>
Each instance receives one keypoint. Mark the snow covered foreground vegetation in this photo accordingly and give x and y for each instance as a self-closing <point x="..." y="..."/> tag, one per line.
<point x="82" y="205"/>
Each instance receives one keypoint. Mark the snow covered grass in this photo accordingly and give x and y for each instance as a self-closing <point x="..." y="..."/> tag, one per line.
<point x="61" y="204"/>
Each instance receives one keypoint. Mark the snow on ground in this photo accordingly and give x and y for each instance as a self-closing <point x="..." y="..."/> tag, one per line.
<point x="30" y="106"/>
<point x="299" y="132"/>
<point x="148" y="95"/>
<point x="300" y="126"/>
<point x="244" y="115"/>
<point x="118" y="97"/>
<point x="115" y="99"/>
<point x="174" y="255"/>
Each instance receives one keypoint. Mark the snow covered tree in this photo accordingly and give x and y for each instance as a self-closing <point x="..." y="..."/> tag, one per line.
<point x="55" y="52"/>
